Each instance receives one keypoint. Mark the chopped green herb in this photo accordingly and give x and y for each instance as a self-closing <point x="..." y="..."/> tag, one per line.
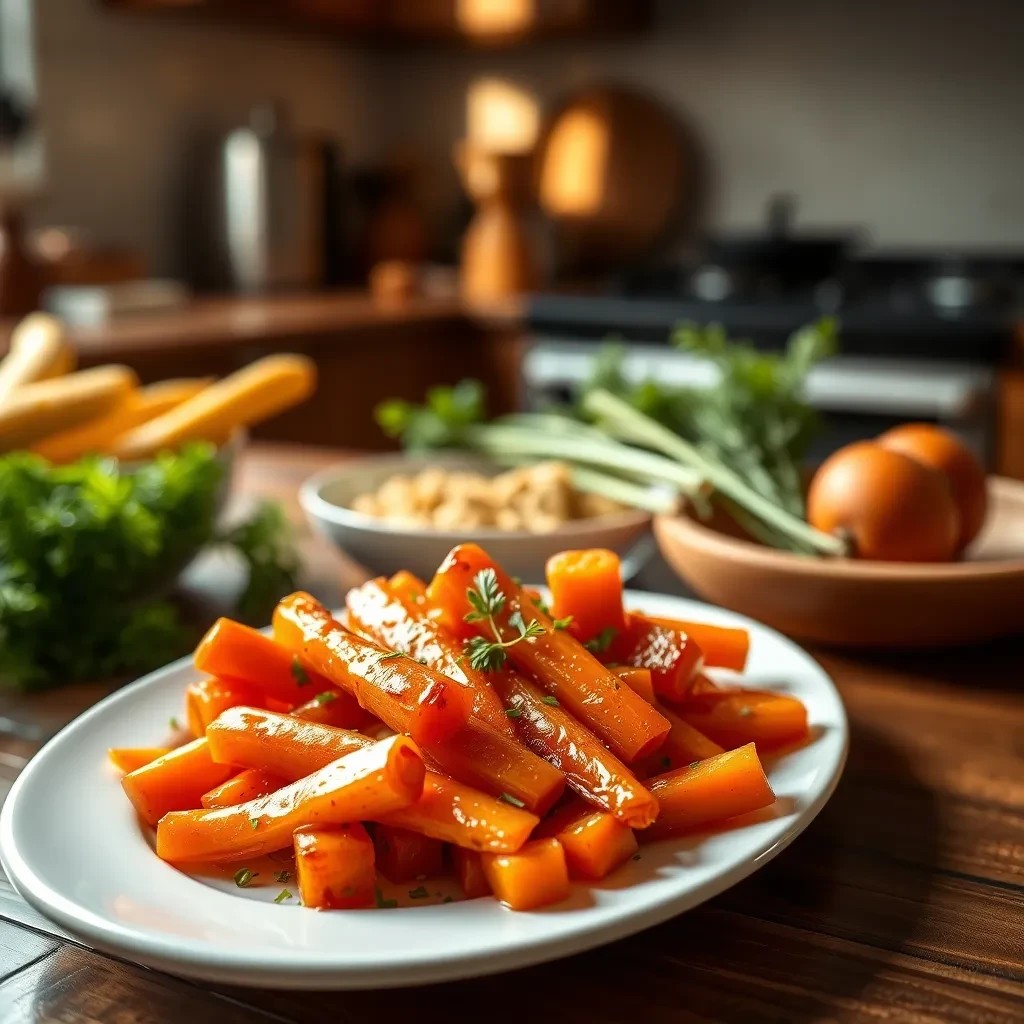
<point x="383" y="904"/>
<point x="419" y="893"/>
<point x="325" y="698"/>
<point x="174" y="723"/>
<point x="563" y="623"/>
<point x="745" y="712"/>
<point x="636" y="856"/>
<point x="487" y="601"/>
<point x="282" y="876"/>
<point x="693" y="764"/>
<point x="283" y="895"/>
<point x="390" y="655"/>
<point x="254" y="823"/>
<point x="553" y="701"/>
<point x="299" y="673"/>
<point x="517" y="580"/>
<point x="448" y="899"/>
<point x="510" y="799"/>
<point x="243" y="876"/>
<point x="514" y="712"/>
<point x="602" y="641"/>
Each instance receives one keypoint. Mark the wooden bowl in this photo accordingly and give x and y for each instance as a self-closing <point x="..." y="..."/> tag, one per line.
<point x="854" y="603"/>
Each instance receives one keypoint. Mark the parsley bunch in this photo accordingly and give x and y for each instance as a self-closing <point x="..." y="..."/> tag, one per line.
<point x="86" y="548"/>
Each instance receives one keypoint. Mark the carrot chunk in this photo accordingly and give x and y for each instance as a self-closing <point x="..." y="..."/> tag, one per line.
<point x="534" y="877"/>
<point x="127" y="759"/>
<point x="723" y="646"/>
<point x="205" y="699"/>
<point x="587" y="586"/>
<point x="469" y="870"/>
<point x="403" y="855"/>
<point x="334" y="866"/>
<point x="672" y="656"/>
<point x="735" y="717"/>
<point x="710" y="791"/>
<point x="247" y="785"/>
<point x="639" y="681"/>
<point x="595" y="843"/>
<point x="683" y="745"/>
<point x="174" y="782"/>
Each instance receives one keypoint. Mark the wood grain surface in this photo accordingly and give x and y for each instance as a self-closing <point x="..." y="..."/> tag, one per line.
<point x="903" y="902"/>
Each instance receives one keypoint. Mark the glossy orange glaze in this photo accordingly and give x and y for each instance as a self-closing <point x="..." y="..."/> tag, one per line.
<point x="205" y="699"/>
<point x="447" y="810"/>
<point x="672" y="656"/>
<point x="247" y="785"/>
<point x="534" y="877"/>
<point x="334" y="866"/>
<point x="735" y="717"/>
<point x="591" y="692"/>
<point x="587" y="585"/>
<point x="595" y="843"/>
<point x="392" y="617"/>
<point x="403" y="856"/>
<point x="360" y="786"/>
<point x="589" y="767"/>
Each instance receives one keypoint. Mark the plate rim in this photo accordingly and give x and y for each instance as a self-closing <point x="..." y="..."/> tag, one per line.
<point x="251" y="968"/>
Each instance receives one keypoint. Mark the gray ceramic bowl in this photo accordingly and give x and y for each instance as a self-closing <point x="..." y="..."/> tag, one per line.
<point x="384" y="548"/>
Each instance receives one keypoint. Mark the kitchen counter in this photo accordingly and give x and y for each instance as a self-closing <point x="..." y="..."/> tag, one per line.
<point x="391" y="349"/>
<point x="229" y="321"/>
<point x="903" y="901"/>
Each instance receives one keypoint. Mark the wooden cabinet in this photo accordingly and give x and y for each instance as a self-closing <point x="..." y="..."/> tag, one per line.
<point x="472" y="22"/>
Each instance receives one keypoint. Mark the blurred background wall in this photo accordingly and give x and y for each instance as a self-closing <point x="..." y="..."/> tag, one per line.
<point x="903" y="116"/>
<point x="122" y="95"/>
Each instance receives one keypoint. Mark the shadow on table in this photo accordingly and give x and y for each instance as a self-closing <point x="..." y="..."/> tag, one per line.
<point x="799" y="941"/>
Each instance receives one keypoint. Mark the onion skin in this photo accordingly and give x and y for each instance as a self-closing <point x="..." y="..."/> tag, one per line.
<point x="891" y="507"/>
<point x="942" y="450"/>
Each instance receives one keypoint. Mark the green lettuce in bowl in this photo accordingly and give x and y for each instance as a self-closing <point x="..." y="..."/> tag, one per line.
<point x="89" y="550"/>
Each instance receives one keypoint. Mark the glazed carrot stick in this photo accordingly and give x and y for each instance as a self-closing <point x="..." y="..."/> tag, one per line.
<point x="683" y="745"/>
<point x="710" y="791"/>
<point x="233" y="651"/>
<point x="205" y="699"/>
<point x="174" y="782"/>
<point x="334" y="866"/>
<point x="327" y="709"/>
<point x="403" y="694"/>
<point x="589" y="767"/>
<point x="639" y="681"/>
<point x="587" y="585"/>
<point x="398" y="623"/>
<point x="735" y="717"/>
<point x="672" y="656"/>
<point x="477" y="754"/>
<point x="130" y="758"/>
<point x="595" y="844"/>
<point x="403" y="856"/>
<point x="469" y="870"/>
<point x="406" y="585"/>
<point x="247" y="785"/>
<point x="723" y="646"/>
<point x="588" y="690"/>
<point x="447" y="810"/>
<point x="534" y="877"/>
<point x="362" y="785"/>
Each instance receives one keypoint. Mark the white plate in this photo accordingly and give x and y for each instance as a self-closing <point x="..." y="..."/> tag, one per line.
<point x="73" y="848"/>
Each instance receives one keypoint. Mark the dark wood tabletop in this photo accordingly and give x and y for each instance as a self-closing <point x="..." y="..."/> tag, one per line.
<point x="903" y="901"/>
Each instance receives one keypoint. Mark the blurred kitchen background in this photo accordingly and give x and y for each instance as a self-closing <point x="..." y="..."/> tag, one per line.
<point x="414" y="191"/>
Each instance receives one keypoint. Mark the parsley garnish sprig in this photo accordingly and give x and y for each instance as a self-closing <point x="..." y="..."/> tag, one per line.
<point x="487" y="601"/>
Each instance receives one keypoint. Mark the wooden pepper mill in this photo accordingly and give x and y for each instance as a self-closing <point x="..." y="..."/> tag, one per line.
<point x="498" y="249"/>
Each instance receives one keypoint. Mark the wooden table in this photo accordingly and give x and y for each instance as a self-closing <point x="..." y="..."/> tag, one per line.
<point x="904" y="901"/>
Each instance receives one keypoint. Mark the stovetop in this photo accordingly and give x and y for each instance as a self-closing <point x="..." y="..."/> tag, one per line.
<point x="961" y="306"/>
